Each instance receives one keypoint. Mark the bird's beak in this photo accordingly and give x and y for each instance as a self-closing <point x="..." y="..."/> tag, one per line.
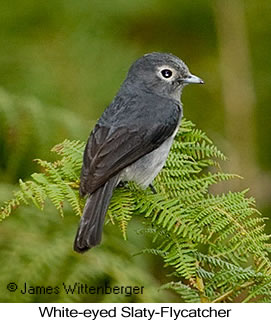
<point x="193" y="79"/>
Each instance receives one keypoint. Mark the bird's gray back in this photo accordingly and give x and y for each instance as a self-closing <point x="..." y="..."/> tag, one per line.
<point x="139" y="108"/>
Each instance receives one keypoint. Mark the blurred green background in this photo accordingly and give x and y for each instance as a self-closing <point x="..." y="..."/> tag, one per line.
<point x="61" y="63"/>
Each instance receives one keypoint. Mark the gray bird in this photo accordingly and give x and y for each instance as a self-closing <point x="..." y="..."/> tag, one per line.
<point x="132" y="139"/>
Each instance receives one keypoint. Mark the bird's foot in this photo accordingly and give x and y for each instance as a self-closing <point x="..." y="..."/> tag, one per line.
<point x="152" y="189"/>
<point x="122" y="184"/>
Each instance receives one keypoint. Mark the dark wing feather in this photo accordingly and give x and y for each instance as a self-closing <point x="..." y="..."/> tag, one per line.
<point x="111" y="149"/>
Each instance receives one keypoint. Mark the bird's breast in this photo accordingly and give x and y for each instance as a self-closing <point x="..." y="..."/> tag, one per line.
<point x="145" y="169"/>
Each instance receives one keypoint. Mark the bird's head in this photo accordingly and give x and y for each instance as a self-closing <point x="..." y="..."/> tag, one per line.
<point x="161" y="73"/>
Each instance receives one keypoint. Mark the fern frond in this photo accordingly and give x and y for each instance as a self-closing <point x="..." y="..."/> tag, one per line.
<point x="187" y="294"/>
<point x="215" y="245"/>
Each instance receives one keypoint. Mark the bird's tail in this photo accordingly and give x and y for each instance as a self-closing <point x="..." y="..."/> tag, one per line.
<point x="89" y="233"/>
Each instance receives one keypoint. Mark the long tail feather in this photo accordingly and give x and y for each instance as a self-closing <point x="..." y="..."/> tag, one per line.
<point x="89" y="233"/>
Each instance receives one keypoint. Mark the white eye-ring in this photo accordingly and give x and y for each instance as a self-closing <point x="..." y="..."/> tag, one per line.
<point x="166" y="72"/>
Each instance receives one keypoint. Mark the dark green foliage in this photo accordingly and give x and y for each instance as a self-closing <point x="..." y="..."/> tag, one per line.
<point x="27" y="129"/>
<point x="37" y="249"/>
<point x="214" y="244"/>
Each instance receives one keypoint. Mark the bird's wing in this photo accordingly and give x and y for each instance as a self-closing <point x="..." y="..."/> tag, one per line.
<point x="111" y="149"/>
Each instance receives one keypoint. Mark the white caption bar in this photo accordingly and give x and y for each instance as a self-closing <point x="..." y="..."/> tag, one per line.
<point x="126" y="312"/>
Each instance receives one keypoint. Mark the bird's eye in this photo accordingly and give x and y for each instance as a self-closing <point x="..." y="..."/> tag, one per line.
<point x="166" y="73"/>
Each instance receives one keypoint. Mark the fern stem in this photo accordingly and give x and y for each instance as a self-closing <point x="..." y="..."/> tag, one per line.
<point x="248" y="298"/>
<point x="199" y="284"/>
<point x="244" y="232"/>
<point x="224" y="296"/>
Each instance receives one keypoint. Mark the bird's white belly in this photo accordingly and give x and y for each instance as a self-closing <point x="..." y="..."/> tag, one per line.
<point x="144" y="170"/>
